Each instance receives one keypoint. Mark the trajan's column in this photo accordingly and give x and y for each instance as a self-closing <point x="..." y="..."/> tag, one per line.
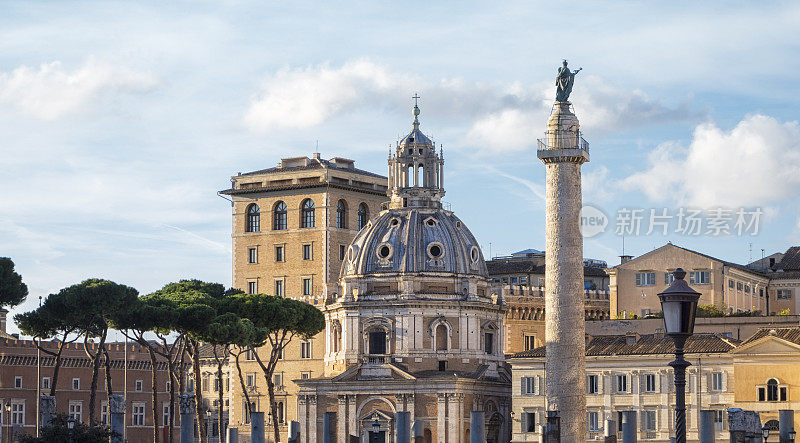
<point x="563" y="151"/>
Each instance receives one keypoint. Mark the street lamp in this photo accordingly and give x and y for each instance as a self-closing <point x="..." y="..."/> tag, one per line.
<point x="765" y="433"/>
<point x="791" y="435"/>
<point x="679" y="305"/>
<point x="376" y="425"/>
<point x="71" y="427"/>
<point x="8" y="418"/>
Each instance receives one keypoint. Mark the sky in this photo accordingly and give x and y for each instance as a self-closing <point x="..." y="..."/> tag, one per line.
<point x="120" y="121"/>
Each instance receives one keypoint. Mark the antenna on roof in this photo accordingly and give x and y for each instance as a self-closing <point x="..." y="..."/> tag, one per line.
<point x="751" y="253"/>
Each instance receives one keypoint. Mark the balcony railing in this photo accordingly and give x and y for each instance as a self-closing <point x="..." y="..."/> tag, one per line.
<point x="570" y="142"/>
<point x="375" y="359"/>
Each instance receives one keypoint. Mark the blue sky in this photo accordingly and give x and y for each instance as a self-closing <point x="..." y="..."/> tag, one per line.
<point x="119" y="121"/>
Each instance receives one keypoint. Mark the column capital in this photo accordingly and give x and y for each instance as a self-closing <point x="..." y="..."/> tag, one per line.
<point x="342" y="399"/>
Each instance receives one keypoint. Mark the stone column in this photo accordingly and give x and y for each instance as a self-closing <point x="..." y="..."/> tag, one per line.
<point x="785" y="423"/>
<point x="403" y="427"/>
<point x="452" y="418"/>
<point x="312" y="419"/>
<point x="441" y="417"/>
<point x="47" y="409"/>
<point x="117" y="409"/>
<point x="303" y="417"/>
<point x="186" y="407"/>
<point x="352" y="420"/>
<point x="257" y="430"/>
<point x="706" y="431"/>
<point x="341" y="420"/>
<point x="629" y="427"/>
<point x="564" y="299"/>
<point x="233" y="435"/>
<point x="477" y="429"/>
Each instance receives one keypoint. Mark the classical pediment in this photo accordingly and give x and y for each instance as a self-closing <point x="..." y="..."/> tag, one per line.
<point x="373" y="372"/>
<point x="768" y="344"/>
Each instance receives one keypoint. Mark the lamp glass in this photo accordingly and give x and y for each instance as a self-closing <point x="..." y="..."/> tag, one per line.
<point x="765" y="432"/>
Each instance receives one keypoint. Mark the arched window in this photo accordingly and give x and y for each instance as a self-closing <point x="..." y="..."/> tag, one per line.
<point x="341" y="214"/>
<point x="253" y="218"/>
<point x="279" y="216"/>
<point x="772" y="390"/>
<point x="363" y="215"/>
<point x="441" y="338"/>
<point x="307" y="214"/>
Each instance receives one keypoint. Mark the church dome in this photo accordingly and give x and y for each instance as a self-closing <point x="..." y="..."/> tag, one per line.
<point x="411" y="240"/>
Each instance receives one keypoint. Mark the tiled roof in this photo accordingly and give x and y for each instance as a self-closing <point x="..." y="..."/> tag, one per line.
<point x="727" y="263"/>
<point x="502" y="267"/>
<point x="313" y="164"/>
<point x="789" y="334"/>
<point x="790" y="260"/>
<point x="648" y="344"/>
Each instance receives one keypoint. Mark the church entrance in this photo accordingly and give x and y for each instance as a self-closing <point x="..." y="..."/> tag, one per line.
<point x="377" y="437"/>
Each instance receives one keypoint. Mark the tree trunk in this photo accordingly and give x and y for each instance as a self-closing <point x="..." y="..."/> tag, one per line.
<point x="220" y="395"/>
<point x="95" y="372"/>
<point x="172" y="380"/>
<point x="273" y="411"/>
<point x="244" y="387"/>
<point x="154" y="384"/>
<point x="198" y="396"/>
<point x="107" y="365"/>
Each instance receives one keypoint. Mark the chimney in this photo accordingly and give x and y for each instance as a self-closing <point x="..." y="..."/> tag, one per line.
<point x="625" y="258"/>
<point x="631" y="337"/>
<point x="3" y="313"/>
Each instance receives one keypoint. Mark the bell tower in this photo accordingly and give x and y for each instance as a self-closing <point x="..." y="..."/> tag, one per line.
<point x="416" y="171"/>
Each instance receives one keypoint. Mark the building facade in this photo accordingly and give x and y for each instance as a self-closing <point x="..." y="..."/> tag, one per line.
<point x="291" y="226"/>
<point x="733" y="288"/>
<point x="414" y="326"/>
<point x="19" y="380"/>
<point x="630" y="372"/>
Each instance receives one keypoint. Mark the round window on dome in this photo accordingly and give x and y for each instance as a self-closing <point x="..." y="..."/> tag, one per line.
<point x="394" y="222"/>
<point x="385" y="251"/>
<point x="351" y="254"/>
<point x="435" y="250"/>
<point x="474" y="254"/>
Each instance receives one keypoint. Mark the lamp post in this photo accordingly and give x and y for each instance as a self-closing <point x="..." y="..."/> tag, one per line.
<point x="791" y="435"/>
<point x="765" y="433"/>
<point x="8" y="418"/>
<point x="71" y="427"/>
<point x="679" y="305"/>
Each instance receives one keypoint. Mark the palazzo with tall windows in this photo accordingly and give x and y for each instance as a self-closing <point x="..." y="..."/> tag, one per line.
<point x="414" y="326"/>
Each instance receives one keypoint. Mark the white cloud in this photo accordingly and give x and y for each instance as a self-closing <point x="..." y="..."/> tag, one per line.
<point x="52" y="91"/>
<point x="501" y="116"/>
<point x="753" y="164"/>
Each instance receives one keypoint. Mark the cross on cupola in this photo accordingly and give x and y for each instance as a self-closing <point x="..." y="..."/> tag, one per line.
<point x="416" y="171"/>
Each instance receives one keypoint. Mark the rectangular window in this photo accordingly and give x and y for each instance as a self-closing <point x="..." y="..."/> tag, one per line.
<point x="529" y="386"/>
<point x="252" y="287"/>
<point x="249" y="355"/>
<point x="165" y="414"/>
<point x="138" y="386"/>
<point x="783" y="393"/>
<point x="204" y="382"/>
<point x="342" y="249"/>
<point x="76" y="384"/>
<point x="649" y="382"/>
<point x="622" y="383"/>
<point x="523" y="280"/>
<point x="716" y="381"/>
<point x="279" y="288"/>
<point x="45" y="382"/>
<point x="305" y="349"/>
<point x="650" y="420"/>
<point x="75" y="411"/>
<point x="252" y="255"/>
<point x="305" y="375"/>
<point x="250" y="380"/>
<point x="247" y="411"/>
<point x="719" y="420"/>
<point x="17" y="413"/>
<point x="593" y="384"/>
<point x="442" y="365"/>
<point x="530" y="342"/>
<point x="747" y="289"/>
<point x="784" y="294"/>
<point x="645" y="279"/>
<point x="699" y="277"/>
<point x="138" y="414"/>
<point x="529" y="421"/>
<point x="306" y="286"/>
<point x="104" y="414"/>
<point x="488" y="342"/>
<point x="513" y="280"/>
<point x="761" y="394"/>
<point x="593" y="420"/>
<point x="668" y="278"/>
<point x="307" y="255"/>
<point x="216" y="384"/>
<point x="18" y="382"/>
<point x="279" y="256"/>
<point x="731" y="284"/>
<point x="739" y="286"/>
<point x="277" y="379"/>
